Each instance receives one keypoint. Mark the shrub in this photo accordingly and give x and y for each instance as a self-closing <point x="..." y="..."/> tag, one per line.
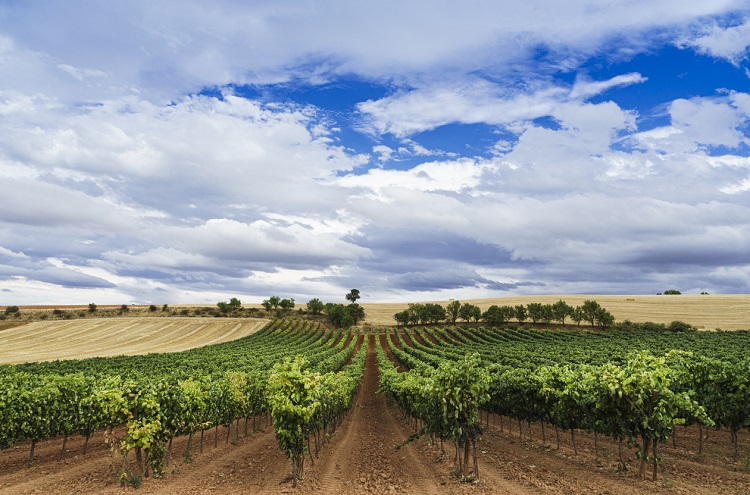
<point x="681" y="326"/>
<point x="12" y="310"/>
<point x="152" y="308"/>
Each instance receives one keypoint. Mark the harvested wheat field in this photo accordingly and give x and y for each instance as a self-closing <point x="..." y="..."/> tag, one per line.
<point x="85" y="338"/>
<point x="709" y="312"/>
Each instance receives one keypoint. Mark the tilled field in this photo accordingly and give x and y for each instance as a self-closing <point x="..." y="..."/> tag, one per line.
<point x="361" y="458"/>
<point x="78" y="339"/>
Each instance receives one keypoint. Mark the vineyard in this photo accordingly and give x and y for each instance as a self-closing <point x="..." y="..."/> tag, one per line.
<point x="460" y="409"/>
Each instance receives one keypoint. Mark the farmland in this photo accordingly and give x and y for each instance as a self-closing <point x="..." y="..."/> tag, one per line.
<point x="78" y="339"/>
<point x="514" y="454"/>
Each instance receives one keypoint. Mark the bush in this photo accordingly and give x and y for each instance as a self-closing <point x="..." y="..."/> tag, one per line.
<point x="152" y="308"/>
<point x="681" y="326"/>
<point x="672" y="292"/>
<point x="12" y="310"/>
<point x="57" y="312"/>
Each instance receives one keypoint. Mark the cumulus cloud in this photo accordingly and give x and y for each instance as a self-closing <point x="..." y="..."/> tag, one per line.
<point x="730" y="43"/>
<point x="130" y="166"/>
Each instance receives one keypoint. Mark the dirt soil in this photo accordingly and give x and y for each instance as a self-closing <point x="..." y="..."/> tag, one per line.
<point x="360" y="458"/>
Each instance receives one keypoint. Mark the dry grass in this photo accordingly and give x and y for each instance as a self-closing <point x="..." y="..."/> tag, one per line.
<point x="77" y="339"/>
<point x="709" y="312"/>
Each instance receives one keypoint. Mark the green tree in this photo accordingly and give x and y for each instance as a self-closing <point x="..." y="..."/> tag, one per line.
<point x="561" y="310"/>
<point x="469" y="312"/>
<point x="521" y="314"/>
<point x="274" y="301"/>
<point x="452" y="310"/>
<point x="589" y="310"/>
<point x="494" y="316"/>
<point x="402" y="317"/>
<point x="535" y="311"/>
<point x="92" y="308"/>
<point x="353" y="295"/>
<point x="433" y="313"/>
<point x="315" y="306"/>
<point x="286" y="304"/>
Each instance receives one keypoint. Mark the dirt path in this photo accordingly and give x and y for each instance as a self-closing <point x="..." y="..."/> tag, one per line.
<point x="361" y="457"/>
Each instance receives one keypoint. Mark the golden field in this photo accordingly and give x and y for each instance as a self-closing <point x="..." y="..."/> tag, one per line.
<point x="102" y="337"/>
<point x="709" y="312"/>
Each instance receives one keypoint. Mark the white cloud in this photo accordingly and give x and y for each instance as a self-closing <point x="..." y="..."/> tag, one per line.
<point x="584" y="88"/>
<point x="730" y="43"/>
<point x="697" y="123"/>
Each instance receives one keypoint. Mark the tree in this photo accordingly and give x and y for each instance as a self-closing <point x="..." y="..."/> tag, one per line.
<point x="286" y="304"/>
<point x="452" y="310"/>
<point x="521" y="314"/>
<point x="590" y="310"/>
<point x="672" y="292"/>
<point x="11" y="310"/>
<point x="402" y="317"/>
<point x="274" y="301"/>
<point x="92" y="308"/>
<point x="315" y="306"/>
<point x="353" y="295"/>
<point x="561" y="310"/>
<point x="535" y="311"/>
<point x="433" y="313"/>
<point x="235" y="303"/>
<point x="267" y="305"/>
<point x="469" y="311"/>
<point x="604" y="318"/>
<point x="494" y="316"/>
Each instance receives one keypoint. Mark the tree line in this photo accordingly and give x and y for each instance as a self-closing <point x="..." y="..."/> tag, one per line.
<point x="432" y="313"/>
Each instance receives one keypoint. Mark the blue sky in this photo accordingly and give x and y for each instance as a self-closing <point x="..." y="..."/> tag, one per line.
<point x="188" y="153"/>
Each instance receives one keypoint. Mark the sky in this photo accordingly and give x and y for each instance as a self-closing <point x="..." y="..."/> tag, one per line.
<point x="189" y="152"/>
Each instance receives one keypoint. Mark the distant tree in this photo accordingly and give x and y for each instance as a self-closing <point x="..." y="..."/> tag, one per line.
<point x="561" y="310"/>
<point x="286" y="304"/>
<point x="494" y="316"/>
<point x="12" y="310"/>
<point x="356" y="312"/>
<point x="672" y="292"/>
<point x="340" y="315"/>
<point x="577" y="315"/>
<point x="590" y="309"/>
<point x="315" y="306"/>
<point x="275" y="301"/>
<point x="433" y="313"/>
<point x="124" y="308"/>
<point x="417" y="313"/>
<point x="353" y="295"/>
<point x="452" y="310"/>
<point x="92" y="308"/>
<point x="267" y="305"/>
<point x="535" y="311"/>
<point x="152" y="308"/>
<point x="165" y="307"/>
<point x="604" y="318"/>
<point x="402" y="317"/>
<point x="223" y="306"/>
<point x="469" y="312"/>
<point x="235" y="303"/>
<point x="521" y="314"/>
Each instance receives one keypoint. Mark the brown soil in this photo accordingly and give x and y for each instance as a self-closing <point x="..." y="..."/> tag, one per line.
<point x="361" y="458"/>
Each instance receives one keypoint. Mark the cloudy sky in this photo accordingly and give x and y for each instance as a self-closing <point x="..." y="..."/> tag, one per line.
<point x="181" y="151"/>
